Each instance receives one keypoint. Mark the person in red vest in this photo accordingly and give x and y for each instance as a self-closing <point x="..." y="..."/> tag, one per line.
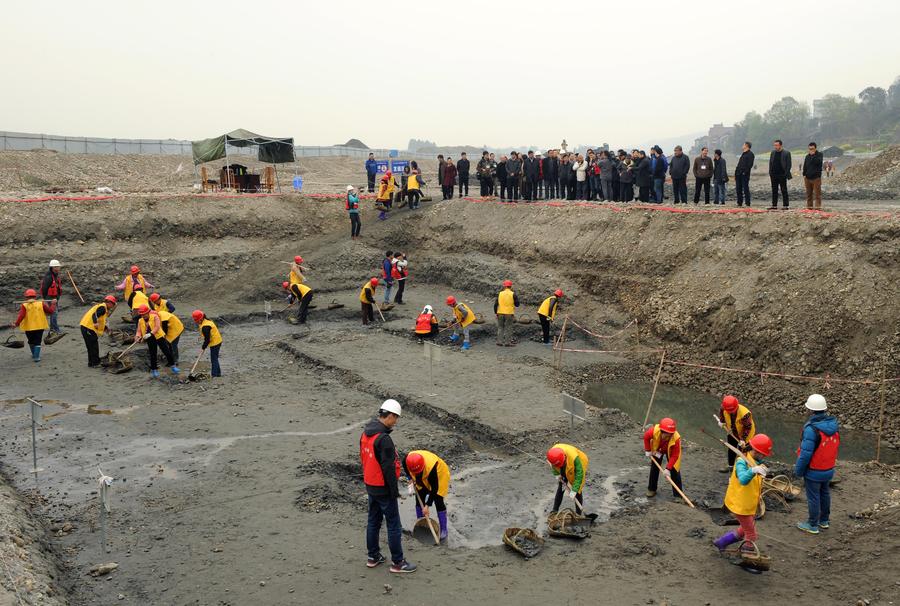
<point x="381" y="470"/>
<point x="815" y="462"/>
<point x="663" y="440"/>
<point x="51" y="289"/>
<point x="426" y="324"/>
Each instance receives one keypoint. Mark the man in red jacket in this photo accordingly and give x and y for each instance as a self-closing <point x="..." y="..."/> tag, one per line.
<point x="51" y="289"/>
<point x="381" y="470"/>
<point x="449" y="179"/>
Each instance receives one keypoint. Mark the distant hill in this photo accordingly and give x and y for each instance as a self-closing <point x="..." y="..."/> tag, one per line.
<point x="354" y="143"/>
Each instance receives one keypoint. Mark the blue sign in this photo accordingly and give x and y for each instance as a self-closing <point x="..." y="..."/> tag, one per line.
<point x="397" y="166"/>
<point x="382" y="165"/>
<point x="394" y="153"/>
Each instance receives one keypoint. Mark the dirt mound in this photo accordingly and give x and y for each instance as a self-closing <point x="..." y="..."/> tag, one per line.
<point x="881" y="171"/>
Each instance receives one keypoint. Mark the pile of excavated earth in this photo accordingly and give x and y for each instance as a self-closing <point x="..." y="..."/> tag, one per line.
<point x="248" y="488"/>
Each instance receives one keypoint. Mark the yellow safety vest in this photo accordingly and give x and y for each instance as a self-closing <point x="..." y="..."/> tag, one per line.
<point x="299" y="286"/>
<point x="35" y="317"/>
<point x="215" y="338"/>
<point x="506" y="302"/>
<point x="464" y="320"/>
<point x="412" y="182"/>
<point x="386" y="189"/>
<point x="548" y="307"/>
<point x="740" y="499"/>
<point x="139" y="299"/>
<point x="362" y="294"/>
<point x="129" y="284"/>
<point x="153" y="324"/>
<point x="656" y="440"/>
<point x="294" y="278"/>
<point x="571" y="453"/>
<point x="174" y="326"/>
<point x="734" y="423"/>
<point x="160" y="305"/>
<point x="88" y="322"/>
<point x="443" y="473"/>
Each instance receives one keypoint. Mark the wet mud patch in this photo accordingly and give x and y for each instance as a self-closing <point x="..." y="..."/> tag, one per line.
<point x="323" y="485"/>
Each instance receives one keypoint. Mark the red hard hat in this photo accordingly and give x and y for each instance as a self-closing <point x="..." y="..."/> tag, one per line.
<point x="135" y="269"/>
<point x="558" y="293"/>
<point x="30" y="293"/>
<point x="374" y="281"/>
<point x="451" y="300"/>
<point x="143" y="310"/>
<point x="507" y="283"/>
<point x="762" y="444"/>
<point x="556" y="457"/>
<point x="110" y="299"/>
<point x="138" y="286"/>
<point x="730" y="404"/>
<point x="667" y="425"/>
<point x="415" y="462"/>
<point x="298" y="259"/>
<point x="155" y="297"/>
<point x="285" y="285"/>
<point x="197" y="315"/>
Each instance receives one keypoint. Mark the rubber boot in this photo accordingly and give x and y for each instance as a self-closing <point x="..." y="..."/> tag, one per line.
<point x="454" y="338"/>
<point x="31" y="347"/>
<point x="36" y="353"/>
<point x="176" y="370"/>
<point x="442" y="520"/>
<point x="419" y="513"/>
<point x="154" y="373"/>
<point x="726" y="539"/>
<point x="466" y="345"/>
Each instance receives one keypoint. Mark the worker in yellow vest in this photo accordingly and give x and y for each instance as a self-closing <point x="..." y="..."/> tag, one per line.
<point x="744" y="492"/>
<point x="663" y="440"/>
<point x="212" y="339"/>
<point x="464" y="318"/>
<point x="385" y="197"/>
<point x="158" y="303"/>
<point x="32" y="320"/>
<point x="93" y="325"/>
<point x="547" y="313"/>
<point x="414" y="188"/>
<point x="505" y="309"/>
<point x="173" y="327"/>
<point x="430" y="479"/>
<point x="150" y="329"/>
<point x="128" y="285"/>
<point x="737" y="420"/>
<point x="138" y="299"/>
<point x="367" y="300"/>
<point x="299" y="291"/>
<point x="571" y="467"/>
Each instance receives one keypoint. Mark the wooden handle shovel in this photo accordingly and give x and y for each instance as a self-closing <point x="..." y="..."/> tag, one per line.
<point x="126" y="350"/>
<point x="674" y="485"/>
<point x="72" y="280"/>
<point x="197" y="361"/>
<point x="437" y="540"/>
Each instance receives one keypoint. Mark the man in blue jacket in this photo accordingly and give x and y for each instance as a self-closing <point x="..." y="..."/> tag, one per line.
<point x="815" y="462"/>
<point x="371" y="172"/>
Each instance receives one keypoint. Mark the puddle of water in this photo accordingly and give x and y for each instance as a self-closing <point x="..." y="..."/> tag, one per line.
<point x="694" y="409"/>
<point x="480" y="509"/>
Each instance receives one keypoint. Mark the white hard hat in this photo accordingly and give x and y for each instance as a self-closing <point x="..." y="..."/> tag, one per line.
<point x="350" y="188"/>
<point x="391" y="406"/>
<point x="428" y="309"/>
<point x="54" y="263"/>
<point x="816" y="403"/>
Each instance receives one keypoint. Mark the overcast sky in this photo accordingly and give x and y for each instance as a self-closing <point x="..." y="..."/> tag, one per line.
<point x="455" y="72"/>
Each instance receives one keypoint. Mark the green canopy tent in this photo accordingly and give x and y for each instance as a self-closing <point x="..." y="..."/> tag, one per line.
<point x="270" y="150"/>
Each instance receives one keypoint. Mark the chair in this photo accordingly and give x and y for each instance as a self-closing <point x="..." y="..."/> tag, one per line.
<point x="207" y="183"/>
<point x="226" y="178"/>
<point x="269" y="179"/>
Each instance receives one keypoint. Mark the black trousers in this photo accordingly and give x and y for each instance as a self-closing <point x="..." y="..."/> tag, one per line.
<point x="448" y="192"/>
<point x="563" y="193"/>
<point x="704" y="183"/>
<point x="779" y="183"/>
<point x="174" y="346"/>
<point x="531" y="186"/>
<point x="93" y="346"/>
<point x="152" y="344"/>
<point x="644" y="193"/>
<point x="654" y="478"/>
<point x="371" y="179"/>
<point x="512" y="191"/>
<point x="433" y="498"/>
<point x="303" y="309"/>
<point x="560" y="491"/>
<point x="34" y="336"/>
<point x="463" y="182"/>
<point x="486" y="186"/>
<point x="551" y="188"/>
<point x="368" y="313"/>
<point x="731" y="454"/>
<point x="503" y="192"/>
<point x="355" y="225"/>
<point x="413" y="197"/>
<point x="626" y="192"/>
<point x="545" y="327"/>
<point x="401" y="285"/>
<point x="679" y="188"/>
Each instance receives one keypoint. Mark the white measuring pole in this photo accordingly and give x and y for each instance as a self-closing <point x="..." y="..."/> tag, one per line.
<point x="36" y="409"/>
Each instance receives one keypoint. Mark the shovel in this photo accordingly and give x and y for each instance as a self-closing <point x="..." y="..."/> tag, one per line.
<point x="191" y="375"/>
<point x="674" y="485"/>
<point x="127" y="349"/>
<point x="437" y="541"/>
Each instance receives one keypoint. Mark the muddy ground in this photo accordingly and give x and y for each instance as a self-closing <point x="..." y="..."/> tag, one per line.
<point x="248" y="488"/>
